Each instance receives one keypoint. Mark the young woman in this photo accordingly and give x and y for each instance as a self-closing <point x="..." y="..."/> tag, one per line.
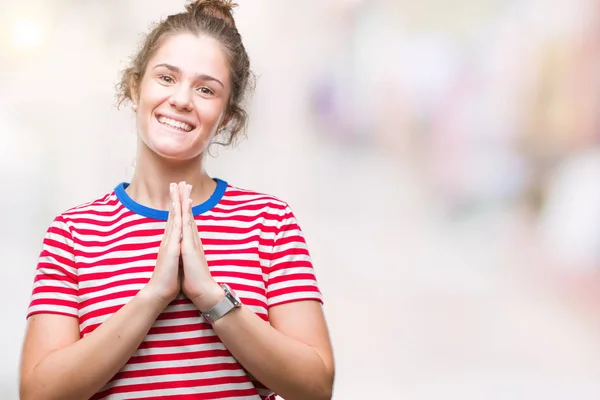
<point x="178" y="285"/>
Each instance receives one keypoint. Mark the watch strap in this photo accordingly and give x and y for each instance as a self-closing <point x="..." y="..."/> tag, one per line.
<point x="222" y="307"/>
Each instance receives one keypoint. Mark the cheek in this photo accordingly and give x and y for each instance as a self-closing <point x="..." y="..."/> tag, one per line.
<point x="143" y="121"/>
<point x="141" y="118"/>
<point x="210" y="115"/>
<point x="152" y="94"/>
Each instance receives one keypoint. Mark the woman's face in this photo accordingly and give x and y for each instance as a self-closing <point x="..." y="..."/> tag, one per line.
<point x="183" y="96"/>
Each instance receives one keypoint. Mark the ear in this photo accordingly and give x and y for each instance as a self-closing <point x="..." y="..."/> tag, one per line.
<point x="134" y="91"/>
<point x="225" y="121"/>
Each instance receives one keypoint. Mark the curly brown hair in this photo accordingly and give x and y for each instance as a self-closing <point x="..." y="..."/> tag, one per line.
<point x="213" y="18"/>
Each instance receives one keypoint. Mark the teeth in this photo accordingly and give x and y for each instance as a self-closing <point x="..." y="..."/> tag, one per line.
<point x="175" y="124"/>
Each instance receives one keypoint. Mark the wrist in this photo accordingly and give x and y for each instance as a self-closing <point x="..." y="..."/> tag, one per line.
<point x="152" y="299"/>
<point x="209" y="298"/>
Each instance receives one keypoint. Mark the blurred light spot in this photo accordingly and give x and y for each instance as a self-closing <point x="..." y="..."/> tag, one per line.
<point x="27" y="35"/>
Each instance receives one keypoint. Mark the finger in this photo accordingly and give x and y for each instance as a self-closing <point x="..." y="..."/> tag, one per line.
<point x="181" y="193"/>
<point x="190" y="228"/>
<point x="185" y="198"/>
<point x="193" y="225"/>
<point x="194" y="236"/>
<point x="176" y="204"/>
<point x="169" y="224"/>
<point x="188" y="210"/>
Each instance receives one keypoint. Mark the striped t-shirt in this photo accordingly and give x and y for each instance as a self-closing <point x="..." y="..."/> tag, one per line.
<point x="97" y="256"/>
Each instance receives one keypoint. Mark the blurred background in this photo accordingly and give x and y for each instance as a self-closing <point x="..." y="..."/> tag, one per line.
<point x="443" y="159"/>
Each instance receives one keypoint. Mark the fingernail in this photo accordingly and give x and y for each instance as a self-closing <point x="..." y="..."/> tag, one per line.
<point x="189" y="188"/>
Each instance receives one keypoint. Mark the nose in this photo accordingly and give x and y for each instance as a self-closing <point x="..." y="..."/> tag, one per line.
<point x="181" y="98"/>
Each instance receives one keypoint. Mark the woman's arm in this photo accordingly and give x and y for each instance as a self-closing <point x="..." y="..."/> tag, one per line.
<point x="57" y="364"/>
<point x="292" y="356"/>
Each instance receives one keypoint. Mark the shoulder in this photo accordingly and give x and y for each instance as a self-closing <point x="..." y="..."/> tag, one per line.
<point x="105" y="204"/>
<point x="271" y="210"/>
<point x="250" y="199"/>
<point x="64" y="225"/>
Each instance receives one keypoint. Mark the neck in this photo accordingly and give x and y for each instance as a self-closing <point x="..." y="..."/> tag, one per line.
<point x="150" y="182"/>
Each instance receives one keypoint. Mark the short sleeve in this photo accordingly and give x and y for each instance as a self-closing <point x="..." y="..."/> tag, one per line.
<point x="291" y="276"/>
<point x="55" y="286"/>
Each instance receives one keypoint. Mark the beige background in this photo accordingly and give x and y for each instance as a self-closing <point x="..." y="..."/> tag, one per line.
<point x="451" y="200"/>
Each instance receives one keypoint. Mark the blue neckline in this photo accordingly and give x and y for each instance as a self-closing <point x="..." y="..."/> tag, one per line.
<point x="153" y="213"/>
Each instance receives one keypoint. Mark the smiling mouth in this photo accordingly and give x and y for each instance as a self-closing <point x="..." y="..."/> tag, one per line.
<point x="174" y="124"/>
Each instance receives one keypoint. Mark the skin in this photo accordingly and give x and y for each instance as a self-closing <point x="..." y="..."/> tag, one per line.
<point x="187" y="80"/>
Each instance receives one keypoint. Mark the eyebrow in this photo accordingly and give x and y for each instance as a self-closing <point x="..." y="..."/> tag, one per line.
<point x="202" y="77"/>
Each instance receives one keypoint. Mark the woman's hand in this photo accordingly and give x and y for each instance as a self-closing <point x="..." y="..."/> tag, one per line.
<point x="166" y="278"/>
<point x="198" y="284"/>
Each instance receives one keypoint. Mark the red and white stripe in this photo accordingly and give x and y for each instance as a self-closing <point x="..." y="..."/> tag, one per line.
<point x="97" y="256"/>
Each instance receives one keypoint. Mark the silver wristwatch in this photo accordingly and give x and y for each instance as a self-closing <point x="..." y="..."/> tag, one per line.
<point x="230" y="302"/>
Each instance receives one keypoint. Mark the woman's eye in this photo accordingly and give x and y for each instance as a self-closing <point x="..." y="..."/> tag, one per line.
<point x="205" y="90"/>
<point x="166" y="78"/>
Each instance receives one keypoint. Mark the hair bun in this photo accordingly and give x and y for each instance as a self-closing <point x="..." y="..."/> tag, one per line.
<point x="221" y="9"/>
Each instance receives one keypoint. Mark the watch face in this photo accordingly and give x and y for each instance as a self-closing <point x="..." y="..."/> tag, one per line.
<point x="233" y="297"/>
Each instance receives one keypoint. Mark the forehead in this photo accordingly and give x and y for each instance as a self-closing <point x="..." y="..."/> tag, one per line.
<point x="193" y="55"/>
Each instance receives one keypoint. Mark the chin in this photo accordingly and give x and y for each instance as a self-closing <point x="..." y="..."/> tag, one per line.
<point x="172" y="151"/>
